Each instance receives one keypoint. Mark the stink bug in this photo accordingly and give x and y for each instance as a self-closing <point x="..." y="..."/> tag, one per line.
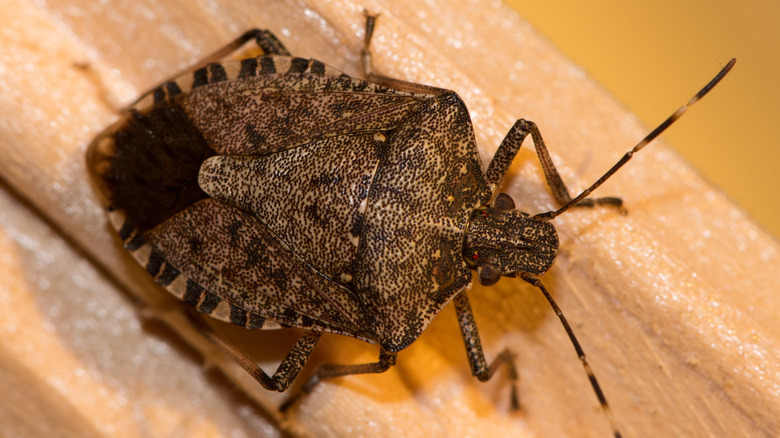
<point x="279" y="192"/>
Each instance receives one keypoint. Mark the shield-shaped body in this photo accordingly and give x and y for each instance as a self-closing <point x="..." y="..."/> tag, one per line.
<point x="279" y="191"/>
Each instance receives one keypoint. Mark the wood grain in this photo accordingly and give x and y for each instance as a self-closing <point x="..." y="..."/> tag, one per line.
<point x="675" y="303"/>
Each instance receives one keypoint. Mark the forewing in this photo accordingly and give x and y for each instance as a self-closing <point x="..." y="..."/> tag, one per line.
<point x="229" y="253"/>
<point x="311" y="198"/>
<point x="242" y="111"/>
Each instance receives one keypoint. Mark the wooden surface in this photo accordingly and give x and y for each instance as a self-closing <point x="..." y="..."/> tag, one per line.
<point x="675" y="304"/>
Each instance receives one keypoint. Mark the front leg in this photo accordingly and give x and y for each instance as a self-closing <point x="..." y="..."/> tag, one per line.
<point x="509" y="148"/>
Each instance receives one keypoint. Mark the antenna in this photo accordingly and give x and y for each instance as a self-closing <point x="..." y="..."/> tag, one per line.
<point x="650" y="137"/>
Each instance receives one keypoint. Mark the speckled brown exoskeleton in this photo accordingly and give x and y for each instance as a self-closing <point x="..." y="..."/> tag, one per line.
<point x="279" y="192"/>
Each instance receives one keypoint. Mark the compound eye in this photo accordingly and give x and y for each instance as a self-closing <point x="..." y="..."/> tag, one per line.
<point x="504" y="202"/>
<point x="488" y="275"/>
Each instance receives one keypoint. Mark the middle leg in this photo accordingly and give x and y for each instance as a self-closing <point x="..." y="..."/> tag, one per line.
<point x="479" y="366"/>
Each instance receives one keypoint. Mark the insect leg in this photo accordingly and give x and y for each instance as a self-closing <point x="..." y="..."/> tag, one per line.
<point x="580" y="353"/>
<point x="329" y="371"/>
<point x="266" y="41"/>
<point x="368" y="69"/>
<point x="479" y="366"/>
<point x="509" y="148"/>
<point x="290" y="367"/>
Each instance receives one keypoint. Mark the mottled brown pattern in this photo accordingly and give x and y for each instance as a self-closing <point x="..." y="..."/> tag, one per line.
<point x="332" y="203"/>
<point x="372" y="187"/>
<point x="268" y="113"/>
<point x="312" y="210"/>
<point x="511" y="242"/>
<point x="233" y="254"/>
<point x="417" y="213"/>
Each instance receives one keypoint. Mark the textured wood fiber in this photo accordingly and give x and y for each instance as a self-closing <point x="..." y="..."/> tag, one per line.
<point x="675" y="303"/>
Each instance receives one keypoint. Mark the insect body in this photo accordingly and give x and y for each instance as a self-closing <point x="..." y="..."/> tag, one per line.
<point x="277" y="191"/>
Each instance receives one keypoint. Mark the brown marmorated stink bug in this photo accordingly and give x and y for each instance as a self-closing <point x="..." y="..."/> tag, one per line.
<point x="279" y="192"/>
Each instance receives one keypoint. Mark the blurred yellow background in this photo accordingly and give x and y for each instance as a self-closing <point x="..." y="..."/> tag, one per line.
<point x="654" y="55"/>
